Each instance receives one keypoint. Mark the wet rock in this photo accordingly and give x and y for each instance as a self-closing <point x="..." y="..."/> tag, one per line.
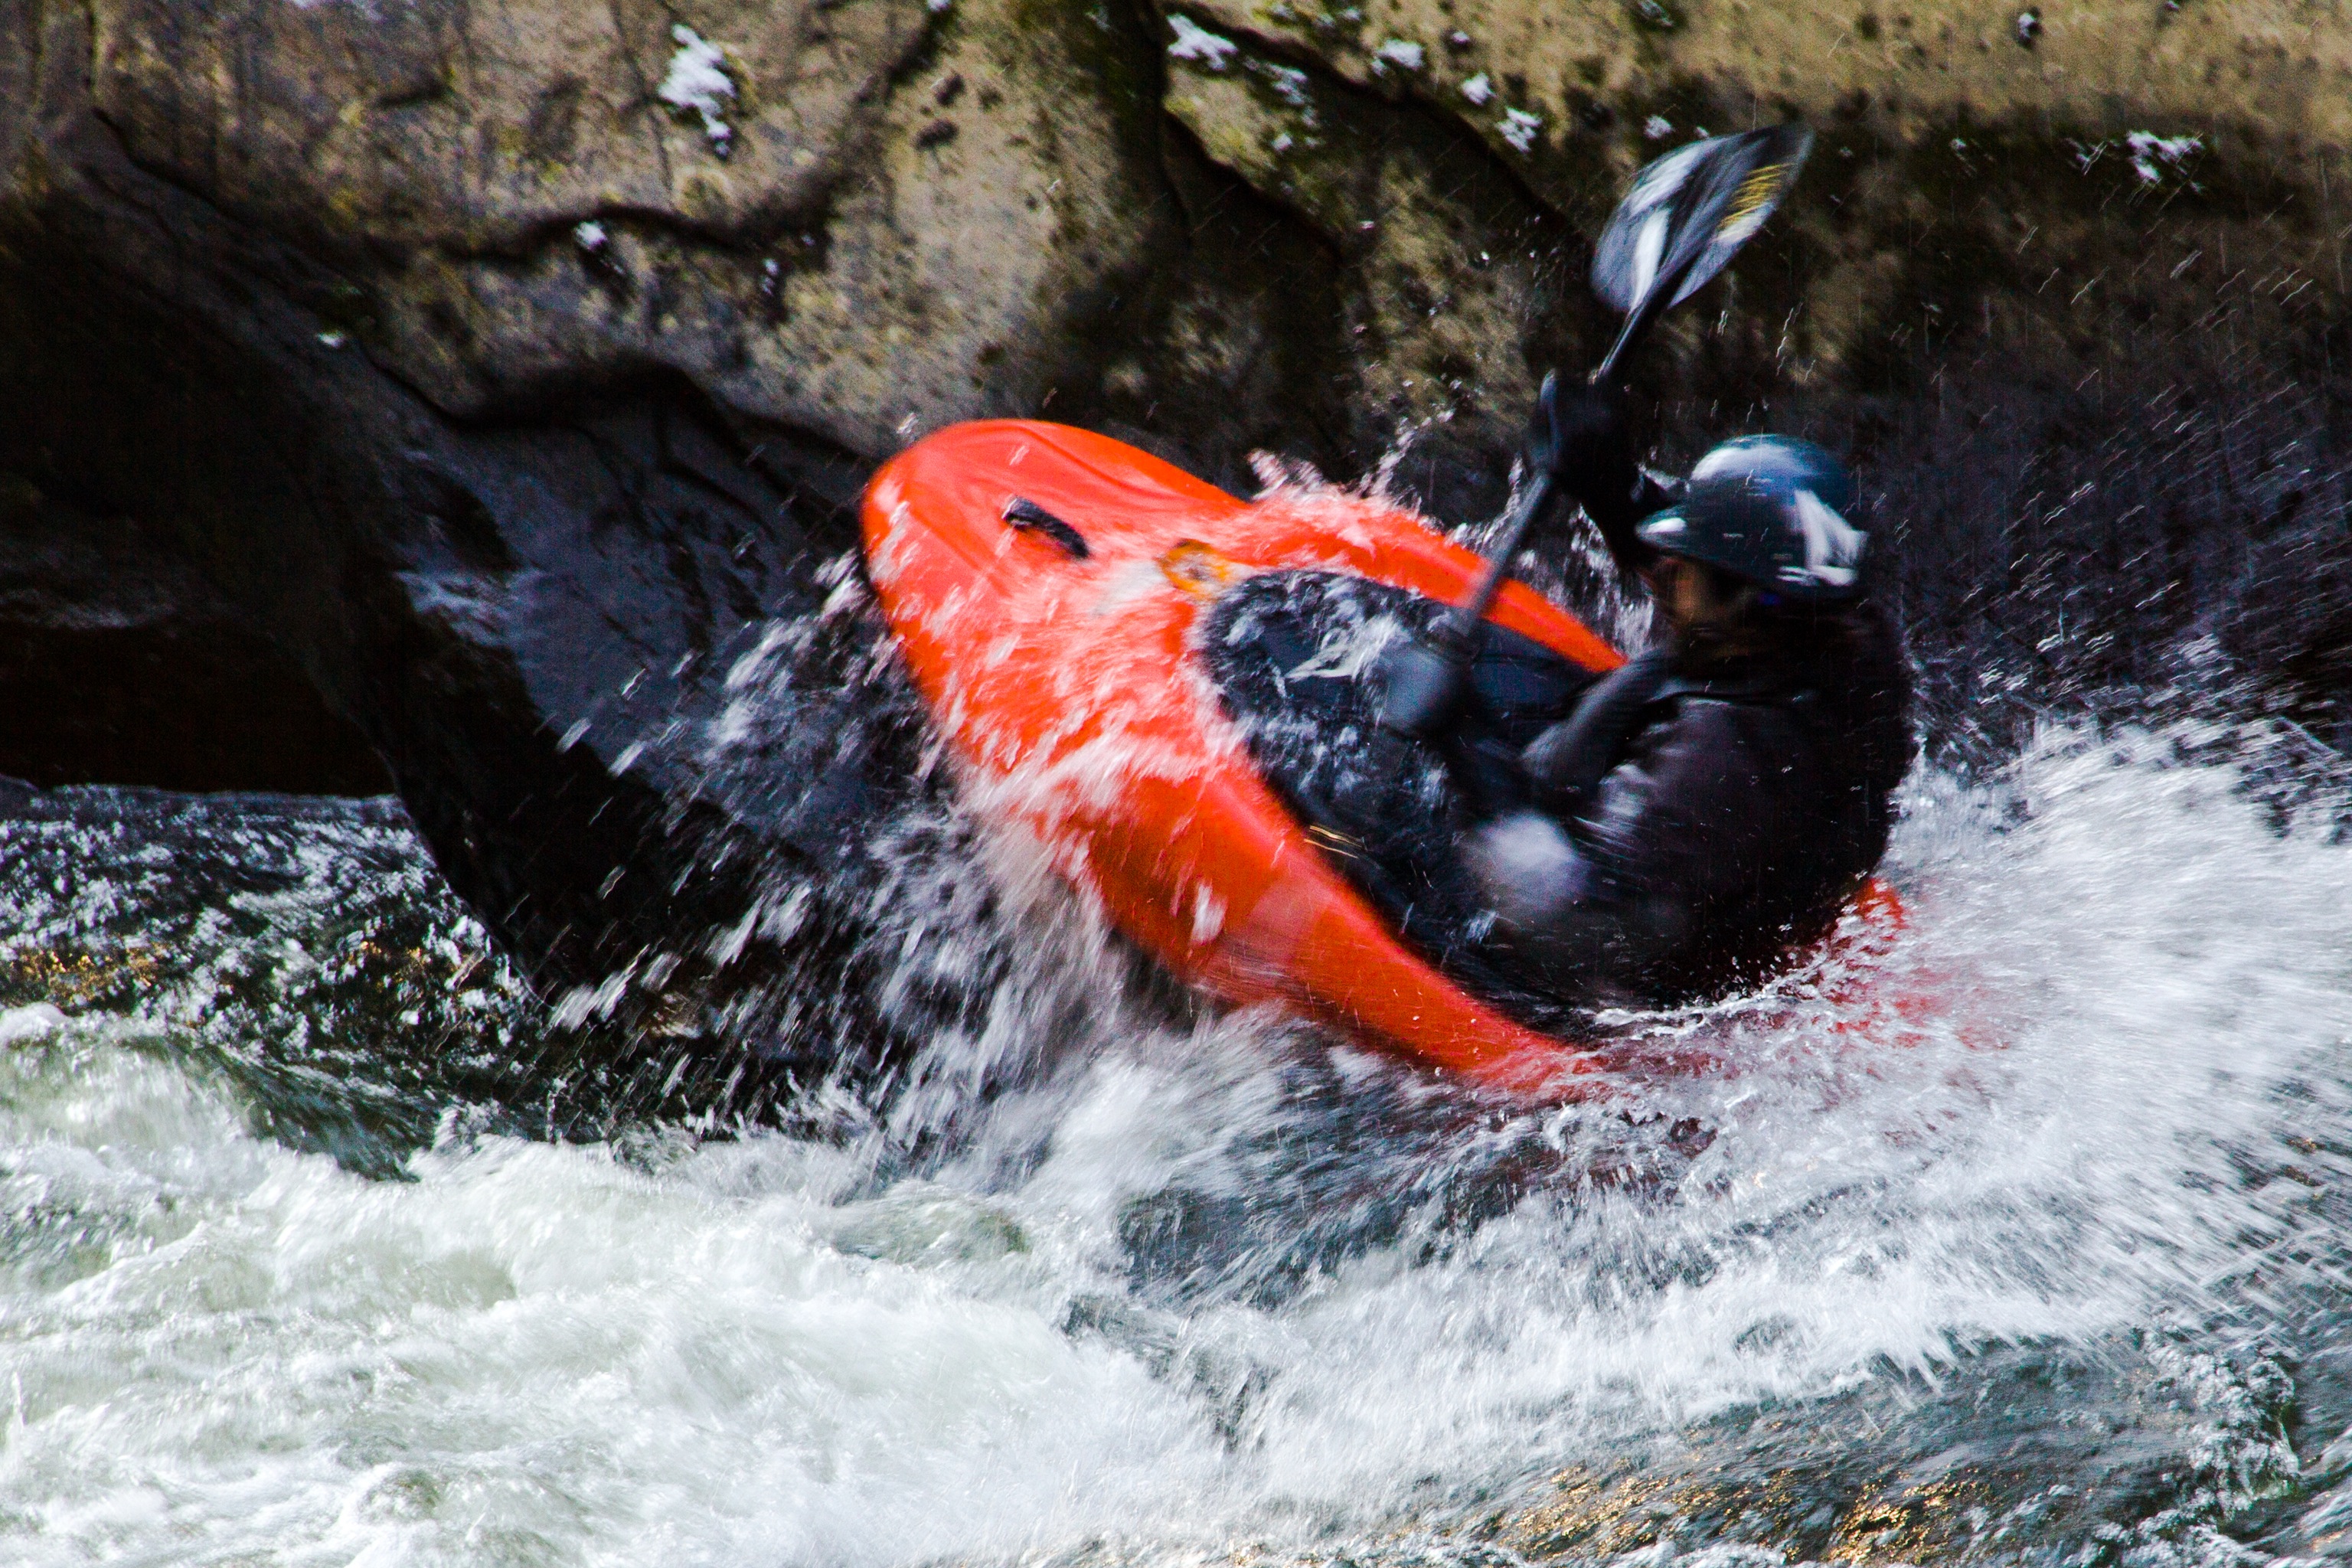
<point x="531" y="621"/>
<point x="122" y="662"/>
<point x="429" y="125"/>
<point x="531" y="455"/>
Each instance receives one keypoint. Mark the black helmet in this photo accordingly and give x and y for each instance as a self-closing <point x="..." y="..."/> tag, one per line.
<point x="1771" y="509"/>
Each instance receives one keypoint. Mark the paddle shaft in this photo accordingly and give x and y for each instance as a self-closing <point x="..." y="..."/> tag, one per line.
<point x="1473" y="610"/>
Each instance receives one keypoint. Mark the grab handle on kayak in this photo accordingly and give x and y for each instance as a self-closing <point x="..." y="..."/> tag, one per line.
<point x="1029" y="517"/>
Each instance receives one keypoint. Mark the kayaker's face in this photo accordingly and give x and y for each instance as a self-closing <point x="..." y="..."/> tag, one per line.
<point x="1695" y="602"/>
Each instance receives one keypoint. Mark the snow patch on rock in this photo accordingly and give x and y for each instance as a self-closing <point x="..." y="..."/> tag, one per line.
<point x="1288" y="84"/>
<point x="2148" y="149"/>
<point x="1197" y="44"/>
<point x="697" y="83"/>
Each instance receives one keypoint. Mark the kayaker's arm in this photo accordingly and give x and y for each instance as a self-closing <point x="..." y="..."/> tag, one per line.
<point x="1565" y="765"/>
<point x="1689" y="817"/>
<point x="1614" y="517"/>
<point x="1583" y="430"/>
<point x="1577" y="440"/>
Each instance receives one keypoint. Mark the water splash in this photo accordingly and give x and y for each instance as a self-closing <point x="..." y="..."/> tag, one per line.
<point x="1181" y="1284"/>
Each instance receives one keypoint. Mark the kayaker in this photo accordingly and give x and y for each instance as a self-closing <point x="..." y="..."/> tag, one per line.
<point x="1719" y="797"/>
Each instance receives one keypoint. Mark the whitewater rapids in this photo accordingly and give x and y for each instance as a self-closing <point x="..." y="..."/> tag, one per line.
<point x="1177" y="1291"/>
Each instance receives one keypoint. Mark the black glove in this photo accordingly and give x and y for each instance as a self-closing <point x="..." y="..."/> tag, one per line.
<point x="1577" y="435"/>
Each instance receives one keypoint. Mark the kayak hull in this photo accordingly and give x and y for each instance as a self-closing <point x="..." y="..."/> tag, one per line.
<point x="1075" y="700"/>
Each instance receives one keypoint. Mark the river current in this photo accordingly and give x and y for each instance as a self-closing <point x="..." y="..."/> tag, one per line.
<point x="2044" y="1264"/>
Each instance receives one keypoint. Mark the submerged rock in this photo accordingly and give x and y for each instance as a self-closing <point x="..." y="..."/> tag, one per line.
<point x="491" y="392"/>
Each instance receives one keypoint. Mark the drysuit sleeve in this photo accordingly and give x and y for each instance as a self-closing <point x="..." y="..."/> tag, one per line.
<point x="1566" y="764"/>
<point x="1680" y="824"/>
<point x="1615" y="515"/>
<point x="1578" y="432"/>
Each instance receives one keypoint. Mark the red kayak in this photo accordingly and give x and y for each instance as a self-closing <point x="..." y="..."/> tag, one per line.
<point x="1050" y="588"/>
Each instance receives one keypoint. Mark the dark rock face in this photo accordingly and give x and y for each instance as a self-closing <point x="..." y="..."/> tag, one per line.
<point x="120" y="662"/>
<point x="530" y="620"/>
<point x="489" y="392"/>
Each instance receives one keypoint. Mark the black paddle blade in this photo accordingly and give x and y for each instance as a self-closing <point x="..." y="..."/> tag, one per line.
<point x="1689" y="210"/>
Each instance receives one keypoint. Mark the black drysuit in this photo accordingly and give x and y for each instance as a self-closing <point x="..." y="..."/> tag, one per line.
<point x="1714" y="811"/>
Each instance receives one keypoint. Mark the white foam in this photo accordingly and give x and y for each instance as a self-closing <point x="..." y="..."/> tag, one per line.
<point x="744" y="1353"/>
<point x="37" y="1022"/>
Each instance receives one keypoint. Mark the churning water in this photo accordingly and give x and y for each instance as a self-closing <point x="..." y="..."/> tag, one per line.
<point x="2046" y="1265"/>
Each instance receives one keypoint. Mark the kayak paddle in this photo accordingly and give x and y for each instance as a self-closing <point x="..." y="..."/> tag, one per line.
<point x="1687" y="213"/>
